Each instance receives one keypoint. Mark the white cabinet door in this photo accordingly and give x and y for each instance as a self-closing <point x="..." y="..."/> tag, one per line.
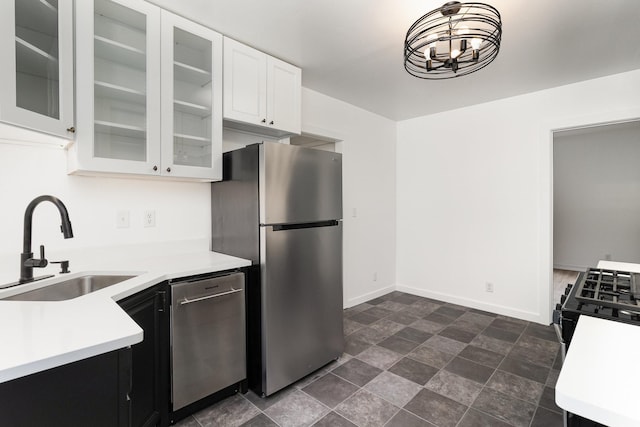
<point x="260" y="91"/>
<point x="191" y="99"/>
<point x="37" y="65"/>
<point x="245" y="83"/>
<point x="283" y="96"/>
<point x="118" y="87"/>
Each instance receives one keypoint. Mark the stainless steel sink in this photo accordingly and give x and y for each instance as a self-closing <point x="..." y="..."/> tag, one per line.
<point x="71" y="288"/>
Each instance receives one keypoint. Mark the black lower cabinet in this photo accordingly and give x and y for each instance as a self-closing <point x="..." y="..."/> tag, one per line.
<point x="90" y="392"/>
<point x="577" y="421"/>
<point x="149" y="381"/>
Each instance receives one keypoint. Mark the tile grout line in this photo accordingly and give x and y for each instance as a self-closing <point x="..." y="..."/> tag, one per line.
<point x="402" y="356"/>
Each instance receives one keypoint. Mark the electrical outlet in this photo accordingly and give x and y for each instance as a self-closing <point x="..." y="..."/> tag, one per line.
<point x="122" y="219"/>
<point x="489" y="287"/>
<point x="149" y="219"/>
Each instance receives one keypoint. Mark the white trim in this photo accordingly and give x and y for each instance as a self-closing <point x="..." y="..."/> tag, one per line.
<point x="467" y="302"/>
<point x="321" y="132"/>
<point x="368" y="296"/>
<point x="569" y="268"/>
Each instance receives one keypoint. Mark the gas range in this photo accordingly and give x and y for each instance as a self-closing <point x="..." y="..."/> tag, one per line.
<point x="607" y="294"/>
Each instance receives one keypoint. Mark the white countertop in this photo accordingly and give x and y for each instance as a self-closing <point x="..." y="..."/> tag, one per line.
<point x="619" y="266"/>
<point x="599" y="376"/>
<point x="36" y="336"/>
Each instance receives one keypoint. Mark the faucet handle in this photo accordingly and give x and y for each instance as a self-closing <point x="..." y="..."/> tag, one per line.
<point x="37" y="263"/>
<point x="64" y="266"/>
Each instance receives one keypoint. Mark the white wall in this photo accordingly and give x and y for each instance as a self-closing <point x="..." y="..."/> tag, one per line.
<point x="368" y="150"/>
<point x="596" y="195"/>
<point x="29" y="170"/>
<point x="183" y="209"/>
<point x="474" y="194"/>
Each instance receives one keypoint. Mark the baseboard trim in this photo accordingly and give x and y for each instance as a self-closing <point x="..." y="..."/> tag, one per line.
<point x="480" y="305"/>
<point x="369" y="296"/>
<point x="569" y="267"/>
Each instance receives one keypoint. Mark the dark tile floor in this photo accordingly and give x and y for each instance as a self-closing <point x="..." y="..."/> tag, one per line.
<point x="412" y="361"/>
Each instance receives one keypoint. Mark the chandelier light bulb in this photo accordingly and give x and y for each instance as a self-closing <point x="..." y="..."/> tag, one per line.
<point x="455" y="53"/>
<point x="475" y="43"/>
<point x="433" y="39"/>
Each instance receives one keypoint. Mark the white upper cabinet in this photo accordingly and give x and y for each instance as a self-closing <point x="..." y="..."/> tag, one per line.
<point x="37" y="65"/>
<point x="283" y="95"/>
<point x="191" y="99"/>
<point x="118" y="87"/>
<point x="261" y="93"/>
<point x="149" y="92"/>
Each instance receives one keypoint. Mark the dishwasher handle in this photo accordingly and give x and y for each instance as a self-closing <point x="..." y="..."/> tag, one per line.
<point x="221" y="294"/>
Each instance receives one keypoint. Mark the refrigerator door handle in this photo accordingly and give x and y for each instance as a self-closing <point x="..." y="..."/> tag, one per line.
<point x="283" y="227"/>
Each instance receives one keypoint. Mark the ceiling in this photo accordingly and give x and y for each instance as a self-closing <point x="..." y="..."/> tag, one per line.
<point x="353" y="50"/>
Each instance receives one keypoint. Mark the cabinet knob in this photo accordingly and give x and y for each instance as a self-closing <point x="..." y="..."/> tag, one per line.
<point x="155" y="168"/>
<point x="264" y="120"/>
<point x="271" y="122"/>
<point x="168" y="169"/>
<point x="71" y="129"/>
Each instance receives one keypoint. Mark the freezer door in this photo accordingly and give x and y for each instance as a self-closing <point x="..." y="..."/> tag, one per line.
<point x="299" y="184"/>
<point x="301" y="271"/>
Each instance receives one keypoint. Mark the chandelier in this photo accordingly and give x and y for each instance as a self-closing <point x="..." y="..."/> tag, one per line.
<point x="453" y="41"/>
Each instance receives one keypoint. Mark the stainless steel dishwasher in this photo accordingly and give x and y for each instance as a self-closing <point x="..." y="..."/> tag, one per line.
<point x="208" y="345"/>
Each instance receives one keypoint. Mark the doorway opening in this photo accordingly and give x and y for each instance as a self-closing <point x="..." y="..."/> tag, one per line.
<point x="596" y="199"/>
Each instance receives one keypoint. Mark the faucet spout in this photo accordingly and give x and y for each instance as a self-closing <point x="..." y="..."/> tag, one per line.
<point x="27" y="262"/>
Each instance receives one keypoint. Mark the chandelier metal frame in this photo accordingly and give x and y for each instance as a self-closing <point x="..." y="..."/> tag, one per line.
<point x="452" y="41"/>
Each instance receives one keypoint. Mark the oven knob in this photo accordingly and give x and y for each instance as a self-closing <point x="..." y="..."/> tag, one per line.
<point x="563" y="298"/>
<point x="558" y="306"/>
<point x="567" y="290"/>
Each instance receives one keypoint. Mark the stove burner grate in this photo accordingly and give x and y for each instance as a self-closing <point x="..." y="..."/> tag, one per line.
<point x="609" y="288"/>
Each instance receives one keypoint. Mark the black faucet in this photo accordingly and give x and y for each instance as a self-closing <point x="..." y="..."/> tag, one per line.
<point x="27" y="261"/>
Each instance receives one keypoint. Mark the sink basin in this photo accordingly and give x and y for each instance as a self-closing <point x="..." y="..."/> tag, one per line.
<point x="69" y="289"/>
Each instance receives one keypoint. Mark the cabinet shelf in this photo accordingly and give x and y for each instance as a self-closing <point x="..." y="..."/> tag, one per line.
<point x="35" y="61"/>
<point x="192" y="138"/>
<point x="109" y="90"/>
<point x="38" y="15"/>
<point x="48" y="5"/>
<point x="119" y="129"/>
<point x="119" y="52"/>
<point x="190" y="108"/>
<point x="190" y="74"/>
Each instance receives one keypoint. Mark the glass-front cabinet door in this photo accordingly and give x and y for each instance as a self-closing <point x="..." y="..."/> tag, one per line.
<point x="118" y="86"/>
<point x="191" y="99"/>
<point x="37" y="65"/>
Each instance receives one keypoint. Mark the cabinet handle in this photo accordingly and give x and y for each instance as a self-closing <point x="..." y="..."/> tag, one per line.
<point x="155" y="168"/>
<point x="264" y="120"/>
<point x="271" y="122"/>
<point x="71" y="129"/>
<point x="168" y="169"/>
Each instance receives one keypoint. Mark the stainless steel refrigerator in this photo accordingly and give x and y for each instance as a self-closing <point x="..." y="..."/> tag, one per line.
<point x="281" y="207"/>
